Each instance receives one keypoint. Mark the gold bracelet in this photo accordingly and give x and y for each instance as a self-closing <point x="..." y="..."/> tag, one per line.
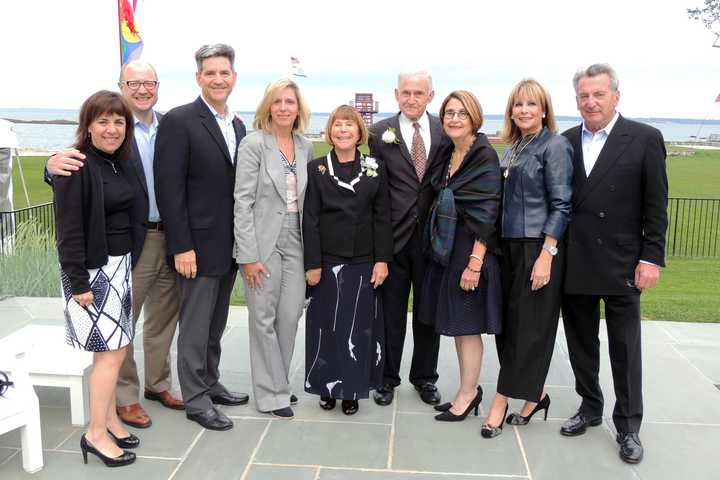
<point x="473" y="271"/>
<point x="472" y="255"/>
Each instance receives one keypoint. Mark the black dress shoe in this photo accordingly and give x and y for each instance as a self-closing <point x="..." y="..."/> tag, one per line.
<point x="211" y="419"/>
<point x="131" y="441"/>
<point x="230" y="398"/>
<point x="349" y="407"/>
<point x="631" y="450"/>
<point x="285" y="413"/>
<point x="428" y="393"/>
<point x="125" y="458"/>
<point x="578" y="423"/>
<point x="517" y="419"/>
<point x="443" y="407"/>
<point x="327" y="403"/>
<point x="384" y="395"/>
<point x="449" y="416"/>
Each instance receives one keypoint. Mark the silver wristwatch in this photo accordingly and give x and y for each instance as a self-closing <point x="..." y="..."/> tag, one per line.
<point x="551" y="249"/>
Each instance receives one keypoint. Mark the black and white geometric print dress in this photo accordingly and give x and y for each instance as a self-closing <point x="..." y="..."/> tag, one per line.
<point x="106" y="324"/>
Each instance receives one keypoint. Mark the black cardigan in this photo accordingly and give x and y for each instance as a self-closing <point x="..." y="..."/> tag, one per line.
<point x="341" y="226"/>
<point x="80" y="221"/>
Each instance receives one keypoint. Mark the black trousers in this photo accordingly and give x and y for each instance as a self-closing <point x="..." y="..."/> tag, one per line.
<point x="204" y="305"/>
<point x="530" y="320"/>
<point x="581" y="317"/>
<point x="408" y="270"/>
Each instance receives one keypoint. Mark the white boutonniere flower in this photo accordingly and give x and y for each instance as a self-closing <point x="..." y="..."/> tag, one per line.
<point x="389" y="136"/>
<point x="321" y="169"/>
<point x="370" y="166"/>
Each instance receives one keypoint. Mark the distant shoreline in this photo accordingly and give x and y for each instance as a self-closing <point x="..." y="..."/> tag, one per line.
<point x="42" y="122"/>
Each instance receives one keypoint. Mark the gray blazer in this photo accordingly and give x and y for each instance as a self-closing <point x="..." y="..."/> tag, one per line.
<point x="260" y="193"/>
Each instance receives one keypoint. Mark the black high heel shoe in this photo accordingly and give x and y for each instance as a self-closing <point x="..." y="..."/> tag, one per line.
<point x="448" y="416"/>
<point x="444" y="407"/>
<point x="517" y="419"/>
<point x="349" y="407"/>
<point x="489" y="431"/>
<point x="327" y="403"/>
<point x="125" y="458"/>
<point x="131" y="441"/>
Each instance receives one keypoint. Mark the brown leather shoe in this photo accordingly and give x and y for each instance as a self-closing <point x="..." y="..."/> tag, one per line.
<point x="166" y="398"/>
<point x="134" y="415"/>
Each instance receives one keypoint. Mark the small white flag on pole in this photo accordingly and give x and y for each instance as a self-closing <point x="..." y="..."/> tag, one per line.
<point x="297" y="69"/>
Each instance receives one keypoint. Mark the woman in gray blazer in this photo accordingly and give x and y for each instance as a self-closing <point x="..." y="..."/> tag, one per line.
<point x="270" y="185"/>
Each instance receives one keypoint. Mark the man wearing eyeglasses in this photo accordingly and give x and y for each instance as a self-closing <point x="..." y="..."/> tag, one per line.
<point x="407" y="143"/>
<point x="154" y="283"/>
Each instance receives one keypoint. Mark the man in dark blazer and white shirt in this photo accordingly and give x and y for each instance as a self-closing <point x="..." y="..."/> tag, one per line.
<point x="407" y="143"/>
<point x="153" y="282"/>
<point x="195" y="157"/>
<point x="615" y="248"/>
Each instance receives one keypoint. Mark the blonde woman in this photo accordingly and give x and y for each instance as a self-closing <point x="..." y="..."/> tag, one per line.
<point x="270" y="185"/>
<point x="536" y="209"/>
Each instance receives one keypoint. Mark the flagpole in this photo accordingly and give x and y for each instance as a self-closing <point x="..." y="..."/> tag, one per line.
<point x="119" y="23"/>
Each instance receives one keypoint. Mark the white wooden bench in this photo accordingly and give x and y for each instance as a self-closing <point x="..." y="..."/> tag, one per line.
<point x="52" y="363"/>
<point x="19" y="408"/>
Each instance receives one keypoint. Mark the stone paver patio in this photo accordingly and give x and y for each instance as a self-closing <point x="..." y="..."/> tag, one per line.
<point x="681" y="430"/>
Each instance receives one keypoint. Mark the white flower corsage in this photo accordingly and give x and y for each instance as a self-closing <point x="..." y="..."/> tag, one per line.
<point x="370" y="166"/>
<point x="389" y="136"/>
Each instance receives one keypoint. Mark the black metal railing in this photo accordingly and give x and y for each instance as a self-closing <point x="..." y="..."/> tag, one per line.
<point x="39" y="219"/>
<point x="693" y="226"/>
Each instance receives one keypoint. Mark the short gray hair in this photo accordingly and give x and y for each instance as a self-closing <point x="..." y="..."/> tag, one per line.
<point x="593" y="71"/>
<point x="416" y="73"/>
<point x="216" y="50"/>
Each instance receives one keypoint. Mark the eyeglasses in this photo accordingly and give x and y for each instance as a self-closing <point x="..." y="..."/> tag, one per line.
<point x="148" y="84"/>
<point x="461" y="114"/>
<point x="4" y="383"/>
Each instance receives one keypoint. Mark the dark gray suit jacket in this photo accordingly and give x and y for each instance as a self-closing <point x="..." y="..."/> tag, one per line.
<point x="410" y="199"/>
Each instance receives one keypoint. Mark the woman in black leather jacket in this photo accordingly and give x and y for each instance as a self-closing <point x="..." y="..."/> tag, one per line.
<point x="537" y="171"/>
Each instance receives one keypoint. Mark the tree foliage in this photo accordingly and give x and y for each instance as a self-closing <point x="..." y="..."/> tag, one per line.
<point x="709" y="15"/>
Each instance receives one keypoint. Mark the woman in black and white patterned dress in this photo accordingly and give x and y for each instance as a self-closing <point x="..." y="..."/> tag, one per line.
<point x="348" y="243"/>
<point x="93" y="208"/>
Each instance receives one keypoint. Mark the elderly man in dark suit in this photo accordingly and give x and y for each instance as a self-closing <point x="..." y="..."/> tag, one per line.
<point x="154" y="287"/>
<point x="615" y="248"/>
<point x="195" y="158"/>
<point x="407" y="143"/>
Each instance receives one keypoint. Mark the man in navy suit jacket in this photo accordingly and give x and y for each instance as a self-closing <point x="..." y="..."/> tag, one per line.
<point x="154" y="287"/>
<point x="195" y="158"/>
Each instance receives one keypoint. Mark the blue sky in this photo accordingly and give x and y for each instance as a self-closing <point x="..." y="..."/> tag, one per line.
<point x="55" y="53"/>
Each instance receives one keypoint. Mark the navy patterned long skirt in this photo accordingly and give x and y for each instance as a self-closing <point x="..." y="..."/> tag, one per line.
<point x="344" y="334"/>
<point x="106" y="324"/>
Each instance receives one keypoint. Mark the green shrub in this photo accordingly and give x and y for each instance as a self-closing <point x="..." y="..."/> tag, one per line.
<point x="30" y="267"/>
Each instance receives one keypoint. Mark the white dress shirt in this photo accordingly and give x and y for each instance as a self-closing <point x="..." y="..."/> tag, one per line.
<point x="408" y="131"/>
<point x="593" y="143"/>
<point x="225" y="122"/>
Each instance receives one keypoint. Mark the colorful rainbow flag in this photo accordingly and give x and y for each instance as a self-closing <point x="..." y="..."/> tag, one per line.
<point x="130" y="42"/>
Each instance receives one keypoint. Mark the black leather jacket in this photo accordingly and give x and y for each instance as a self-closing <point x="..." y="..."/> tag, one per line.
<point x="538" y="189"/>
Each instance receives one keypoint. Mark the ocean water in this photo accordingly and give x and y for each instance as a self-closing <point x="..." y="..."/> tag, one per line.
<point x="53" y="137"/>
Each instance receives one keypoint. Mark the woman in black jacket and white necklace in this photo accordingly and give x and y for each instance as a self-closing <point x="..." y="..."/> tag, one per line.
<point x="348" y="245"/>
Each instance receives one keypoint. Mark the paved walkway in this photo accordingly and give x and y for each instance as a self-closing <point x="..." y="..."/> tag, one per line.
<point x="681" y="431"/>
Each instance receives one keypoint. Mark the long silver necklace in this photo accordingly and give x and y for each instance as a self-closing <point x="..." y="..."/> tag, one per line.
<point x="517" y="149"/>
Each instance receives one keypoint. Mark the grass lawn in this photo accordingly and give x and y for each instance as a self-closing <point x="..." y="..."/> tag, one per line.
<point x="38" y="191"/>
<point x="687" y="286"/>
<point x="697" y="176"/>
<point x="687" y="292"/>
